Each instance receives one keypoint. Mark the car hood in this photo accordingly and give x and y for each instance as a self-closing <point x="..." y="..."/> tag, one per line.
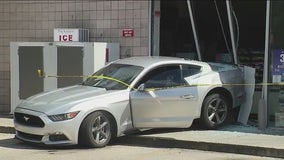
<point x="62" y="98"/>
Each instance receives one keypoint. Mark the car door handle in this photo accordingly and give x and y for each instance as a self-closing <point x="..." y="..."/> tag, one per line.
<point x="187" y="96"/>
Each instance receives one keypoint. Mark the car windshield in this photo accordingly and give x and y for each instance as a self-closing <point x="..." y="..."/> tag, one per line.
<point x="114" y="76"/>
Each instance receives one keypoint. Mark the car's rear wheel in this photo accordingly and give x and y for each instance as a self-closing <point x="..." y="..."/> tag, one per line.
<point x="214" y="111"/>
<point x="96" y="130"/>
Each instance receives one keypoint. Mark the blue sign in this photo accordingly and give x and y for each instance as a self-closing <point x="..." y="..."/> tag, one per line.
<point x="278" y="63"/>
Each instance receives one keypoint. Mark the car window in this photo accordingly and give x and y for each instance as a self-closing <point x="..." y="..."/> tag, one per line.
<point x="163" y="77"/>
<point x="114" y="76"/>
<point x="190" y="70"/>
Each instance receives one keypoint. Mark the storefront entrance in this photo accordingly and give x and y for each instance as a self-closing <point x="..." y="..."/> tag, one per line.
<point x="211" y="21"/>
<point x="175" y="34"/>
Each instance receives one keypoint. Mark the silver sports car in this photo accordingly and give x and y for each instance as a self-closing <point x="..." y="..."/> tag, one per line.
<point x="130" y="94"/>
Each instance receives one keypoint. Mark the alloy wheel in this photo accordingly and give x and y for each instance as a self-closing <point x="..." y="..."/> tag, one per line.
<point x="217" y="111"/>
<point x="101" y="129"/>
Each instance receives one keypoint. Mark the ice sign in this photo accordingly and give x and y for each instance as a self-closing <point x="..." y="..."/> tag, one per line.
<point x="66" y="35"/>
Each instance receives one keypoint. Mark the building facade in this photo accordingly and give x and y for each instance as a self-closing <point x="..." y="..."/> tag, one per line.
<point x="34" y="21"/>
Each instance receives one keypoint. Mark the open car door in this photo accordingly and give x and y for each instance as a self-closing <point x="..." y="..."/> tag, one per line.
<point x="163" y="100"/>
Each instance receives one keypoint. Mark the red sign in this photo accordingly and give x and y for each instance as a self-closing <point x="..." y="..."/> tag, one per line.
<point x="127" y="32"/>
<point x="157" y="13"/>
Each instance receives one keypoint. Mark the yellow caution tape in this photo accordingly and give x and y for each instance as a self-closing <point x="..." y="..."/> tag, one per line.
<point x="101" y="76"/>
<point x="112" y="79"/>
<point x="153" y="89"/>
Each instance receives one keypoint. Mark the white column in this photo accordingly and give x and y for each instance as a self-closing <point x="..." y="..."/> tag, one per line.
<point x="232" y="31"/>
<point x="262" y="108"/>
<point x="150" y="28"/>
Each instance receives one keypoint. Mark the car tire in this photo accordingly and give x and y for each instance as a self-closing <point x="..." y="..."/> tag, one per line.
<point x="214" y="111"/>
<point x="96" y="130"/>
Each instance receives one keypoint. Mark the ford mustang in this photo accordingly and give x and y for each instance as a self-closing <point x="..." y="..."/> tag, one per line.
<point x="131" y="94"/>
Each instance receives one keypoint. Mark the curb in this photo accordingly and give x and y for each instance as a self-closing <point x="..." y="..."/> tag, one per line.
<point x="205" y="146"/>
<point x="7" y="126"/>
<point x="4" y="129"/>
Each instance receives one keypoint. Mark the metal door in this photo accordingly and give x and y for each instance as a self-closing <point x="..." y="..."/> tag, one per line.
<point x="69" y="66"/>
<point x="30" y="60"/>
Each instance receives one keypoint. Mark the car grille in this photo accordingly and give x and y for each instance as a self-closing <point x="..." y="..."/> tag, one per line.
<point x="28" y="120"/>
<point x="30" y="137"/>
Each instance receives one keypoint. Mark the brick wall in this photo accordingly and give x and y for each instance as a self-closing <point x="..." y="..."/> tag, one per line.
<point x="34" y="21"/>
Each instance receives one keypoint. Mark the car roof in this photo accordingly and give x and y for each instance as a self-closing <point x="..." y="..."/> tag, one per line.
<point x="147" y="61"/>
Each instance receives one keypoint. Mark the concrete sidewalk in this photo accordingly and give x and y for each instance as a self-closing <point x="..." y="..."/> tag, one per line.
<point x="229" y="139"/>
<point x="238" y="139"/>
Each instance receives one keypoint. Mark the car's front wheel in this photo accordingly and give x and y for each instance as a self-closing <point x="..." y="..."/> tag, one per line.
<point x="96" y="130"/>
<point x="214" y="111"/>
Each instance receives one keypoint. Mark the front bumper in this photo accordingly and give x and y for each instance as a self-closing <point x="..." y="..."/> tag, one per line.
<point x="51" y="133"/>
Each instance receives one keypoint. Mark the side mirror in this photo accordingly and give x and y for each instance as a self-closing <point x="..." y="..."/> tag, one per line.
<point x="141" y="87"/>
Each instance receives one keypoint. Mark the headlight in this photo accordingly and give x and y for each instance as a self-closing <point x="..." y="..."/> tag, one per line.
<point x="63" y="117"/>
